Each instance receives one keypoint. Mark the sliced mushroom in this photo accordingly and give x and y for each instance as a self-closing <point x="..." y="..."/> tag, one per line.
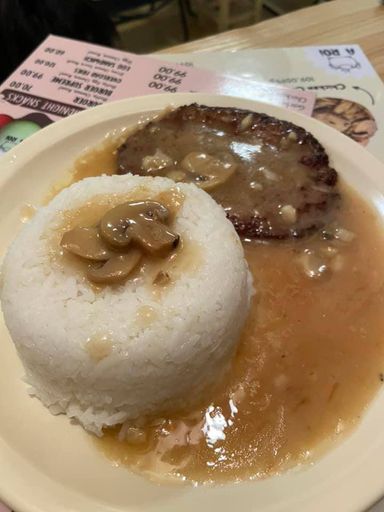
<point x="177" y="175"/>
<point x="87" y="243"/>
<point x="139" y="223"/>
<point x="344" y="235"/>
<point x="156" y="162"/>
<point x="114" y="224"/>
<point x="152" y="236"/>
<point x="313" y="266"/>
<point x="329" y="252"/>
<point x="116" y="269"/>
<point x="246" y="122"/>
<point x="162" y="278"/>
<point x="288" y="214"/>
<point x="208" y="170"/>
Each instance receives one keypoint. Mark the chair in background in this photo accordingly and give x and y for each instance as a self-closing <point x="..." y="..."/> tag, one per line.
<point x="225" y="18"/>
<point x="123" y="11"/>
<point x="228" y="13"/>
<point x="279" y="7"/>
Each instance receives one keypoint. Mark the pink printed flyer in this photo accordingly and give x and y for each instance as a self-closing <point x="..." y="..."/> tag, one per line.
<point x="63" y="77"/>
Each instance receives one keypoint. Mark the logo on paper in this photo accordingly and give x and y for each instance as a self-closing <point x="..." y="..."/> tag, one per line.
<point x="343" y="63"/>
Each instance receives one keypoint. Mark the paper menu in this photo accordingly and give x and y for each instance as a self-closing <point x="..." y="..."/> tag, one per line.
<point x="350" y="94"/>
<point x="62" y="77"/>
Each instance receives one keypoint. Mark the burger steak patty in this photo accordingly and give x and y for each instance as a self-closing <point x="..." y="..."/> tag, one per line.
<point x="272" y="177"/>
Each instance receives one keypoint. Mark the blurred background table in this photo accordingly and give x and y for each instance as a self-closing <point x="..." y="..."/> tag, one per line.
<point x="335" y="22"/>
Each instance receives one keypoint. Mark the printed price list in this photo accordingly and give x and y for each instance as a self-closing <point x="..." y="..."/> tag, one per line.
<point x="167" y="79"/>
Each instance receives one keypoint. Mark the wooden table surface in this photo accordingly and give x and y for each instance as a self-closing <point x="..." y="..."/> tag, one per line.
<point x="335" y="22"/>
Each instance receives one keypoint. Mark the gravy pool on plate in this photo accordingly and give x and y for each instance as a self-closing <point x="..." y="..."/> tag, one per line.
<point x="309" y="361"/>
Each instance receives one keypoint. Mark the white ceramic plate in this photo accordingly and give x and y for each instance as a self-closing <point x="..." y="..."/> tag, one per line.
<point x="49" y="465"/>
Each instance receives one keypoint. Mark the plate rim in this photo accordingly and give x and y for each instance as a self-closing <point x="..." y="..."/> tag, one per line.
<point x="15" y="159"/>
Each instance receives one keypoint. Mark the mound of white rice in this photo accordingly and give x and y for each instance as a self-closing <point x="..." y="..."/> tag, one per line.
<point x="141" y="368"/>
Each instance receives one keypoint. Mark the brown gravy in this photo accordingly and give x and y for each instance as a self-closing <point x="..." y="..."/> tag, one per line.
<point x="252" y="165"/>
<point x="186" y="257"/>
<point x="310" y="360"/>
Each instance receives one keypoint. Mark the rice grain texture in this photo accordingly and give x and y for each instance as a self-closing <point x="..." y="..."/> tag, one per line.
<point x="122" y="353"/>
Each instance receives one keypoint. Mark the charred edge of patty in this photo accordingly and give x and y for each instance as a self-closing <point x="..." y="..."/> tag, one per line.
<point x="255" y="227"/>
<point x="259" y="228"/>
